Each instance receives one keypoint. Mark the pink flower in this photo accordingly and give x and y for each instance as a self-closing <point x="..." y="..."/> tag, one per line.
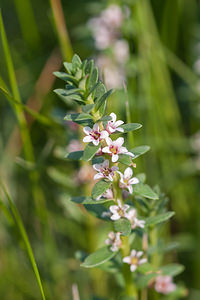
<point x="115" y="148"/>
<point x="134" y="260"/>
<point x="74" y="145"/>
<point x="112" y="16"/>
<point x="126" y="181"/>
<point x="164" y="284"/>
<point x="114" y="240"/>
<point x="132" y="216"/>
<point x="121" y="51"/>
<point x="118" y="211"/>
<point x="94" y="135"/>
<point x="113" y="125"/>
<point x="104" y="170"/>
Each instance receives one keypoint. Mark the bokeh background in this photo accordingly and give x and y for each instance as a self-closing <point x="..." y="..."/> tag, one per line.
<point x="162" y="75"/>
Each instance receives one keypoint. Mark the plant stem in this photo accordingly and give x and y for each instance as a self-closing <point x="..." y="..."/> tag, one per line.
<point x="129" y="284"/>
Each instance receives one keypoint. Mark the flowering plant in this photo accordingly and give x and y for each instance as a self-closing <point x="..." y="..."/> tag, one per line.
<point x="135" y="210"/>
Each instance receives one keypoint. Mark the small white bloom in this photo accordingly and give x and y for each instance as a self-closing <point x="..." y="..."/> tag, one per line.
<point x="121" y="51"/>
<point x="164" y="284"/>
<point x="104" y="170"/>
<point x="132" y="216"/>
<point x="114" y="240"/>
<point x="112" y="16"/>
<point x="94" y="135"/>
<point x="118" y="211"/>
<point x="134" y="260"/>
<point x="115" y="148"/>
<point x="113" y="125"/>
<point x="126" y="180"/>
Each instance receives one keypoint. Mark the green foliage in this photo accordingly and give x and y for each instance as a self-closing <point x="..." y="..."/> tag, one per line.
<point x="100" y="188"/>
<point x="98" y="257"/>
<point x="123" y="226"/>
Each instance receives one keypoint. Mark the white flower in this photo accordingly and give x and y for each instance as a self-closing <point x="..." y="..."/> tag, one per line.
<point x="118" y="211"/>
<point x="94" y="135"/>
<point x="126" y="181"/>
<point x="114" y="240"/>
<point x="132" y="216"/>
<point x="134" y="260"/>
<point x="115" y="148"/>
<point x="164" y="284"/>
<point x="113" y="125"/>
<point x="112" y="16"/>
<point x="121" y="51"/>
<point x="108" y="194"/>
<point x="104" y="170"/>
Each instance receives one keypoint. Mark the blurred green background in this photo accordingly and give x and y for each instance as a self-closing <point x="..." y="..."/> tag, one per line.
<point x="163" y="82"/>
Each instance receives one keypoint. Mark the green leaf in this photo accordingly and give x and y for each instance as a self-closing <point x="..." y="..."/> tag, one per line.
<point x="76" y="63"/>
<point x="76" y="155"/>
<point x="68" y="97"/>
<point x="98" y="257"/>
<point x="102" y="100"/>
<point x="144" y="190"/>
<point x="88" y="200"/>
<point x="105" y="118"/>
<point x="129" y="127"/>
<point x="90" y="151"/>
<point x="144" y="268"/>
<point x="172" y="269"/>
<point x="66" y="77"/>
<point x="123" y="225"/>
<point x="68" y="67"/>
<point x="159" y="218"/>
<point x="92" y="79"/>
<point x="100" y="90"/>
<point x="144" y="280"/>
<point x="100" y="188"/>
<point x="137" y="151"/>
<point x="78" y="117"/>
<point x="87" y="108"/>
<point x="125" y="159"/>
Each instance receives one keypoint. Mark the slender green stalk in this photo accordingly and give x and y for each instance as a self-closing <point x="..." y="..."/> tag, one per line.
<point x="27" y="144"/>
<point x="25" y="238"/>
<point x="61" y="29"/>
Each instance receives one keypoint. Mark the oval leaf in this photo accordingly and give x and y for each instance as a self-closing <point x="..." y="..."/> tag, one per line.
<point x="98" y="257"/>
<point x="123" y="225"/>
<point x="90" y="151"/>
<point x="137" y="151"/>
<point x="172" y="269"/>
<point x="159" y="218"/>
<point x="100" y="188"/>
<point x="78" y="117"/>
<point x="88" y="200"/>
<point x="130" y="127"/>
<point x="76" y="155"/>
<point x="144" y="190"/>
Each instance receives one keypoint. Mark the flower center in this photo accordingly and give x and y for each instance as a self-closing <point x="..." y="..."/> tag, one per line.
<point x="134" y="260"/>
<point x="120" y="212"/>
<point x="106" y="171"/>
<point x="113" y="149"/>
<point x="95" y="134"/>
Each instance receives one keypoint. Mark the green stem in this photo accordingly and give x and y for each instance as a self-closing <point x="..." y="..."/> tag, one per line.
<point x="24" y="236"/>
<point x="27" y="144"/>
<point x="130" y="288"/>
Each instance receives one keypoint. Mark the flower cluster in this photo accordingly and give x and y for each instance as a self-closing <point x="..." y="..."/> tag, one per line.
<point x="106" y="31"/>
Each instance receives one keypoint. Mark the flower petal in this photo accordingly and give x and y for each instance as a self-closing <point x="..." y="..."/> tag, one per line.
<point x="109" y="141"/>
<point x="113" y="116"/>
<point x="142" y="261"/>
<point x="95" y="142"/>
<point x="96" y="127"/>
<point x="128" y="172"/>
<point x="133" y="268"/>
<point x="97" y="167"/>
<point x="130" y="189"/>
<point x="133" y="252"/>
<point x="87" y="130"/>
<point x="104" y="134"/>
<point x="113" y="209"/>
<point x="106" y="150"/>
<point x="139" y="253"/>
<point x="118" y="123"/>
<point x="105" y="164"/>
<point x="120" y="129"/>
<point x="115" y="217"/>
<point x="119" y="142"/>
<point x="134" y="180"/>
<point x="87" y="139"/>
<point x="127" y="259"/>
<point x="115" y="157"/>
<point x="98" y="176"/>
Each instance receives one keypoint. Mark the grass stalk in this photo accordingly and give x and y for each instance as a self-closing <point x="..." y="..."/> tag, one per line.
<point x="23" y="234"/>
